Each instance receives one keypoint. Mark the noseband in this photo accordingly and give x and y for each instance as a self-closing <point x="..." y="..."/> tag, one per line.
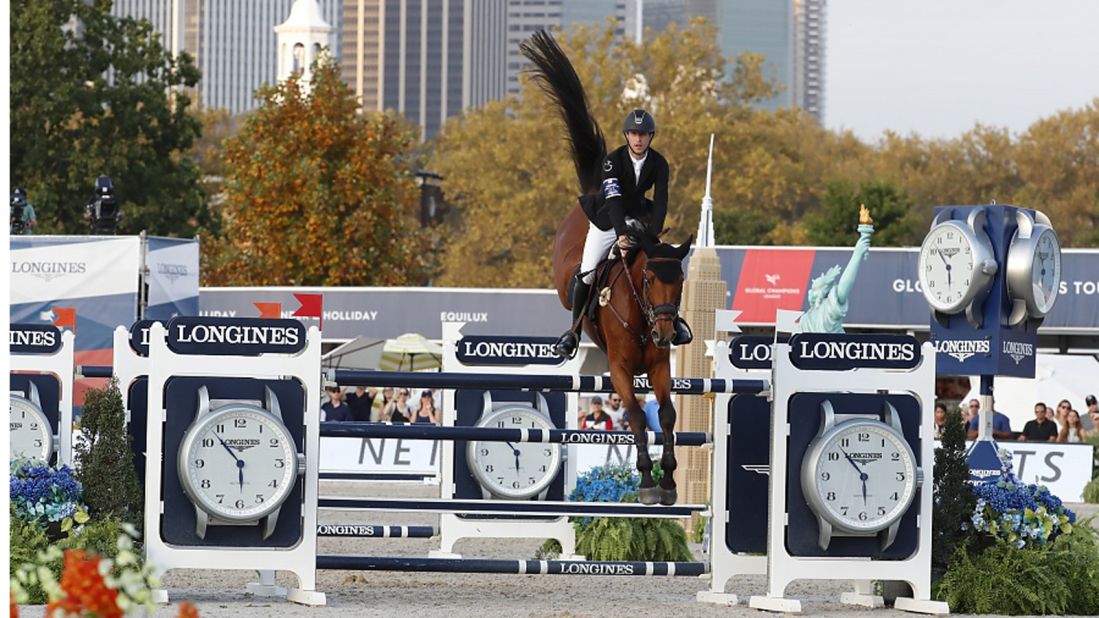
<point x="653" y="313"/>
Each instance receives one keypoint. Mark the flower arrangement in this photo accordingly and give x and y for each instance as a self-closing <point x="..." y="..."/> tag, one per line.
<point x="40" y="492"/>
<point x="1019" y="513"/>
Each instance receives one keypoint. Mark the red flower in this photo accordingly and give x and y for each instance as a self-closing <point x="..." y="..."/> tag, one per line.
<point x="85" y="590"/>
<point x="186" y="610"/>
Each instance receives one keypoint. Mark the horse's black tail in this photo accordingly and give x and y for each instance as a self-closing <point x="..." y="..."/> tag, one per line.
<point x="555" y="76"/>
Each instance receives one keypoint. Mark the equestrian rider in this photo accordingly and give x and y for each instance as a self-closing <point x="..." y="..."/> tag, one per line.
<point x="628" y="173"/>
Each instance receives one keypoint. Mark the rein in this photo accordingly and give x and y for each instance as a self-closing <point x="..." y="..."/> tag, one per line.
<point x="652" y="313"/>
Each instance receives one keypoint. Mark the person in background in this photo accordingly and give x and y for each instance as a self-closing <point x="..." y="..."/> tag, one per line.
<point x="380" y="404"/>
<point x="398" y="411"/>
<point x="1090" y="420"/>
<point x="652" y="412"/>
<point x="617" y="412"/>
<point x="335" y="409"/>
<point x="598" y="418"/>
<point x="1001" y="424"/>
<point x="970" y="411"/>
<point x="426" y="413"/>
<point x="360" y="402"/>
<point x="940" y="420"/>
<point x="1072" y="431"/>
<point x="1062" y="411"/>
<point x="1051" y="416"/>
<point x="1041" y="429"/>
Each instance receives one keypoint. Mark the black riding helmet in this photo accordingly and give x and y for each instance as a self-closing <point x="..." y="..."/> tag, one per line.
<point x="639" y="120"/>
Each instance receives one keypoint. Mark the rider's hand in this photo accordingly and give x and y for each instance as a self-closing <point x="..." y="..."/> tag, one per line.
<point x="625" y="243"/>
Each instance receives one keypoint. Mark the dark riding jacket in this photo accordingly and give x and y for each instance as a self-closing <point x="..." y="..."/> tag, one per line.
<point x="620" y="196"/>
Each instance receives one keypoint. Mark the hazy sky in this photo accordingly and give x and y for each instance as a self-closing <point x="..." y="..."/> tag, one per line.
<point x="936" y="67"/>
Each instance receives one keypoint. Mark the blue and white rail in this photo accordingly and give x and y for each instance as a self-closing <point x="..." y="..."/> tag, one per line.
<point x="547" y="508"/>
<point x="416" y="431"/>
<point x="520" y="567"/>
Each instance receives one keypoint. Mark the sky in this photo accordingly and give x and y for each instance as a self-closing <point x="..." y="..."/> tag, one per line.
<point x="938" y="67"/>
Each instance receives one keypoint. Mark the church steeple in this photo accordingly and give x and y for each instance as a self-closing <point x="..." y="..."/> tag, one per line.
<point x="300" y="40"/>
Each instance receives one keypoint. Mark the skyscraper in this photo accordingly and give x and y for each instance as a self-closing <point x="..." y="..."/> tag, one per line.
<point x="809" y="57"/>
<point x="232" y="42"/>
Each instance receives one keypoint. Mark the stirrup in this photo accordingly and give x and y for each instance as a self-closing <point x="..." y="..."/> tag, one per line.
<point x="566" y="345"/>
<point x="683" y="334"/>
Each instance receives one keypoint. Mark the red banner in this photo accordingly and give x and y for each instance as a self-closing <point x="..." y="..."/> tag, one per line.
<point x="772" y="279"/>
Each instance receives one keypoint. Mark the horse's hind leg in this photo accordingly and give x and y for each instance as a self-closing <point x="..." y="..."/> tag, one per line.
<point x="623" y="383"/>
<point x="661" y="382"/>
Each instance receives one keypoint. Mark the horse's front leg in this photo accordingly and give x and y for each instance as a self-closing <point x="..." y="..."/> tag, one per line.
<point x="623" y="385"/>
<point x="662" y="387"/>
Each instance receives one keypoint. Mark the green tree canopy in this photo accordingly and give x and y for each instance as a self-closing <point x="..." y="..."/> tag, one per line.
<point x="92" y="94"/>
<point x="318" y="194"/>
<point x="834" y="222"/>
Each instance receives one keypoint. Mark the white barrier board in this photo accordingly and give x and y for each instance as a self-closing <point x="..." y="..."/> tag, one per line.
<point x="379" y="456"/>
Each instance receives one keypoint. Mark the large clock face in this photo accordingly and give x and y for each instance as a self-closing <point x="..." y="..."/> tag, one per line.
<point x="864" y="476"/>
<point x="946" y="267"/>
<point x="1046" y="274"/>
<point x="514" y="469"/>
<point x="238" y="463"/>
<point x="29" y="430"/>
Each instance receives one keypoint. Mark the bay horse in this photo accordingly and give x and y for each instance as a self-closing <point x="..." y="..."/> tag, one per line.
<point x="635" y="325"/>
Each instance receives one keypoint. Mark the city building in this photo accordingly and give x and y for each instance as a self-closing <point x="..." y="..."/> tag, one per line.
<point x="809" y="56"/>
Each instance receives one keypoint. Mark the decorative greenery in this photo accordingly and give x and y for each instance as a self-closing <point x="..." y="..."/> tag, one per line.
<point x="40" y="492"/>
<point x="621" y="538"/>
<point x="1018" y="513"/>
<point x="1059" y="578"/>
<point x="29" y="540"/>
<point x="954" y="501"/>
<point x="1091" y="491"/>
<point x="105" y="458"/>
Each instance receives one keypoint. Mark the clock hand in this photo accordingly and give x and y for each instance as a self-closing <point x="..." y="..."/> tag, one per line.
<point x="515" y="452"/>
<point x="852" y="461"/>
<point x="863" y="477"/>
<point x="231" y="453"/>
<point x="949" y="277"/>
<point x="240" y="471"/>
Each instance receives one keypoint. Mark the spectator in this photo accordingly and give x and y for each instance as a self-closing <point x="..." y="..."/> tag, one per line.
<point x="426" y="413"/>
<point x="598" y="418"/>
<point x="1041" y="429"/>
<point x="380" y="404"/>
<point x="970" y="412"/>
<point x="335" y="409"/>
<point x="652" y="412"/>
<point x="1001" y="424"/>
<point x="360" y="402"/>
<point x="1062" y="411"/>
<point x="616" y="411"/>
<point x="398" y="411"/>
<point x="1073" y="430"/>
<point x="1090" y="420"/>
<point x="1050" y="416"/>
<point x="940" y="420"/>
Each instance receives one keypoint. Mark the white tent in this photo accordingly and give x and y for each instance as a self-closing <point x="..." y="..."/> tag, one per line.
<point x="1056" y="377"/>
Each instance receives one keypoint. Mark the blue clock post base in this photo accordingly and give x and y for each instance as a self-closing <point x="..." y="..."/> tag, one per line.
<point x="983" y="461"/>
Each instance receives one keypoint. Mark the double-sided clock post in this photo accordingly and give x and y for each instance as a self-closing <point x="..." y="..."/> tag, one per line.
<point x="232" y="448"/>
<point x="990" y="274"/>
<point x="40" y="402"/>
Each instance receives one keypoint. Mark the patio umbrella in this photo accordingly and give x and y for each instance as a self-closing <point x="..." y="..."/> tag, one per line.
<point x="359" y="353"/>
<point x="410" y="352"/>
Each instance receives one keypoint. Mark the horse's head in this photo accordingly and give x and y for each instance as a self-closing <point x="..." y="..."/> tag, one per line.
<point x="662" y="286"/>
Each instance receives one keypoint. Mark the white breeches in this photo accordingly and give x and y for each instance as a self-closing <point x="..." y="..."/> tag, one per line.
<point x="596" y="247"/>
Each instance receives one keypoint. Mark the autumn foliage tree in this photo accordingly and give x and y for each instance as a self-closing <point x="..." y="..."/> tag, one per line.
<point x="318" y="194"/>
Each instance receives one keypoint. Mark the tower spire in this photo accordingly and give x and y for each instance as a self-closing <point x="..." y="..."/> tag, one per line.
<point x="705" y="236"/>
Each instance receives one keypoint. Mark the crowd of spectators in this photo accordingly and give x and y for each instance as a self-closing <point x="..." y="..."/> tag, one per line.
<point x="388" y="405"/>
<point x="1061" y="424"/>
<point x="611" y="415"/>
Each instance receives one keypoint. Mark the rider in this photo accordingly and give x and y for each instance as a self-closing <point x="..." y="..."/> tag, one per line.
<point x="628" y="173"/>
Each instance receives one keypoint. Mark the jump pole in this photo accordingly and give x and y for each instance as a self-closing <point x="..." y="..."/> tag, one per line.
<point x="366" y="531"/>
<point x="511" y="507"/>
<point x="416" y="431"/>
<point x="513" y="567"/>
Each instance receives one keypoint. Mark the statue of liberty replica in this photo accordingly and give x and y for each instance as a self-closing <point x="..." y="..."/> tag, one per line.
<point x="827" y="296"/>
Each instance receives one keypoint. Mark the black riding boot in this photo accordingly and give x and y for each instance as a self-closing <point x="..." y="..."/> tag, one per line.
<point x="567" y="344"/>
<point x="683" y="334"/>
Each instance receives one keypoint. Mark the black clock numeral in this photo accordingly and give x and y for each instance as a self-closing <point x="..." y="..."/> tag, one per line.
<point x="207" y="442"/>
<point x="200" y="463"/>
<point x="239" y="504"/>
<point x="489" y="468"/>
<point x="499" y="423"/>
<point x="205" y="484"/>
<point x="843" y="510"/>
<point x="239" y="423"/>
<point x="34" y="426"/>
<point x="274" y="441"/>
<point x="845" y="442"/>
<point x="259" y="498"/>
<point x="864" y="437"/>
<point x="517" y="420"/>
<point x="931" y="283"/>
<point x="883" y="442"/>
<point x="542" y="469"/>
<point x="895" y="456"/>
<point x="534" y="425"/>
<point x="881" y="510"/>
<point x="220" y="497"/>
<point x="484" y="452"/>
<point x="273" y="483"/>
<point x="830" y="496"/>
<point x="548" y="452"/>
<point x="515" y="485"/>
<point x="38" y="443"/>
<point x="824" y="476"/>
<point x="500" y="479"/>
<point x="895" y="496"/>
<point x="219" y="428"/>
<point x="280" y="463"/>
<point x="862" y="516"/>
<point x="833" y="456"/>
<point x="531" y="480"/>
<point x="900" y="476"/>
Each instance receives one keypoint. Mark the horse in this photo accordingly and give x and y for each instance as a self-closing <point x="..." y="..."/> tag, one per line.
<point x="640" y="296"/>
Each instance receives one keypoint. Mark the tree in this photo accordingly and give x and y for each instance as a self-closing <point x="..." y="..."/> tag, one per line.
<point x="834" y="223"/>
<point x="954" y="501"/>
<point x="318" y="194"/>
<point x="104" y="458"/>
<point x="92" y="94"/>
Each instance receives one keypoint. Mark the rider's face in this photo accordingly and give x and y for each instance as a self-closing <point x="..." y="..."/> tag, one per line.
<point x="639" y="141"/>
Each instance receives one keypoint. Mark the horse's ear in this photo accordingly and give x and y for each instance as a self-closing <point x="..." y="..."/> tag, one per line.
<point x="682" y="250"/>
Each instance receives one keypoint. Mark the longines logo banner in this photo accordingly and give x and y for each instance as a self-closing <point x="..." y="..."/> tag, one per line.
<point x="839" y="352"/>
<point x="48" y="270"/>
<point x="481" y="350"/>
<point x="34" y="339"/>
<point x="753" y="351"/>
<point x="962" y="350"/>
<point x="235" y="336"/>
<point x="139" y="337"/>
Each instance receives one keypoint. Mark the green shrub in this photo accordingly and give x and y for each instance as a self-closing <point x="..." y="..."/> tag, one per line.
<point x="1061" y="578"/>
<point x="27" y="539"/>
<point x="1091" y="491"/>
<point x="105" y="459"/>
<point x="954" y="500"/>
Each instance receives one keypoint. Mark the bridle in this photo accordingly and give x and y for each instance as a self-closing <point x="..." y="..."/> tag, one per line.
<point x="653" y="313"/>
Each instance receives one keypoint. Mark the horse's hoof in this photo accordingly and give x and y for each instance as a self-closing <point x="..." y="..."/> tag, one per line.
<point x="649" y="495"/>
<point x="668" y="496"/>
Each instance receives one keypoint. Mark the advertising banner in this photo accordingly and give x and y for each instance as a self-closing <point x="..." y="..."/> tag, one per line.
<point x="172" y="278"/>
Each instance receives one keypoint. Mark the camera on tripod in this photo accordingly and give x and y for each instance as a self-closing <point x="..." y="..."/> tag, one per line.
<point x="18" y="211"/>
<point x="103" y="212"/>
